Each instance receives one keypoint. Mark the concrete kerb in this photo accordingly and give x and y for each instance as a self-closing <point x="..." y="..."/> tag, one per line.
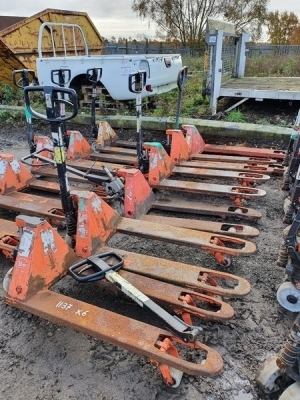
<point x="206" y="127"/>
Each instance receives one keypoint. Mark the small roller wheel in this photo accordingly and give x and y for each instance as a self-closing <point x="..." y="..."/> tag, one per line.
<point x="286" y="204"/>
<point x="269" y="377"/>
<point x="119" y="207"/>
<point x="95" y="147"/>
<point x="238" y="211"/>
<point x="177" y="376"/>
<point x="7" y="280"/>
<point x="252" y="184"/>
<point x="227" y="259"/>
<point x="288" y="297"/>
<point x="291" y="393"/>
<point x="70" y="241"/>
<point x="62" y="225"/>
<point x="232" y="229"/>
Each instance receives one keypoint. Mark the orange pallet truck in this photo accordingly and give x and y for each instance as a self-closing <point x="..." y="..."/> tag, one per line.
<point x="198" y="146"/>
<point x="28" y="285"/>
<point x="137" y="82"/>
<point x="221" y="246"/>
<point x="161" y="168"/>
<point x="79" y="148"/>
<point x="180" y="152"/>
<point x="44" y="258"/>
<point x="194" y="145"/>
<point x="131" y="190"/>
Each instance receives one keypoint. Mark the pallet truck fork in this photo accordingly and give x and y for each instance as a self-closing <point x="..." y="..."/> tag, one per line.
<point x="161" y="168"/>
<point x="197" y="279"/>
<point x="181" y="156"/>
<point x="198" y="145"/>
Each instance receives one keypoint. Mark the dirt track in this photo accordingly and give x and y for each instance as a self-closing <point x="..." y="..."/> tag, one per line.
<point x="40" y="360"/>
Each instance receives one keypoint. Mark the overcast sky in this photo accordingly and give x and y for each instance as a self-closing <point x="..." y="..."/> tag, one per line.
<point x="111" y="17"/>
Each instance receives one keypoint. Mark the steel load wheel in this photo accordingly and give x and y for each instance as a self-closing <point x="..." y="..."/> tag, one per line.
<point x="228" y="260"/>
<point x="291" y="393"/>
<point x="289" y="297"/>
<point x="269" y="377"/>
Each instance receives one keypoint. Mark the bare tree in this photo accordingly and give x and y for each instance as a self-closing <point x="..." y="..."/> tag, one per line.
<point x="185" y="20"/>
<point x="247" y="15"/>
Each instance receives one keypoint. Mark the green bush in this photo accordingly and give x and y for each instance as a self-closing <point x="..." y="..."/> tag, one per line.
<point x="10" y="95"/>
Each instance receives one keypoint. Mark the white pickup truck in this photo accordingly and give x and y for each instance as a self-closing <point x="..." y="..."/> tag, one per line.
<point x="162" y="69"/>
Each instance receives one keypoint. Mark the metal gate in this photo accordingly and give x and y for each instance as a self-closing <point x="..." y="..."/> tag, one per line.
<point x="224" y="59"/>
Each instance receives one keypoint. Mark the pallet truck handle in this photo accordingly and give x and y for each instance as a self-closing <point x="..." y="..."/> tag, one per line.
<point x="98" y="265"/>
<point x="137" y="81"/>
<point x="94" y="75"/>
<point x="61" y="77"/>
<point x="187" y="333"/>
<point x="182" y="77"/>
<point x="53" y="96"/>
<point x="21" y="77"/>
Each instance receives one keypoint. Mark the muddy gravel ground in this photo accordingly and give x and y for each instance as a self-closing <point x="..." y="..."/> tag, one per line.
<point x="41" y="360"/>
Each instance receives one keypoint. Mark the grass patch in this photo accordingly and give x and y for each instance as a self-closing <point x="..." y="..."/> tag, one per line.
<point x="235" y="116"/>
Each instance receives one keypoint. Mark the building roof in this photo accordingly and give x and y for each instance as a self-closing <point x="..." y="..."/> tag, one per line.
<point x="6" y="21"/>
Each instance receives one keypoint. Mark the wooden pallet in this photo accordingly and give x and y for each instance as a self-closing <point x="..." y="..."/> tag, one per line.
<point x="103" y="100"/>
<point x="87" y="90"/>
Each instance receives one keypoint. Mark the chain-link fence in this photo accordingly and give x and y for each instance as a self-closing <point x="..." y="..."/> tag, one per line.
<point x="256" y="50"/>
<point x="146" y="47"/>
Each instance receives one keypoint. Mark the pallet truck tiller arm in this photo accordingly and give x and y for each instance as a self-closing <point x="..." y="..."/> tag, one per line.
<point x="101" y="269"/>
<point x="21" y="79"/>
<point x="112" y="185"/>
<point x="94" y="75"/>
<point x="136" y="84"/>
<point x="54" y="97"/>
<point x="61" y="77"/>
<point x="181" y="79"/>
